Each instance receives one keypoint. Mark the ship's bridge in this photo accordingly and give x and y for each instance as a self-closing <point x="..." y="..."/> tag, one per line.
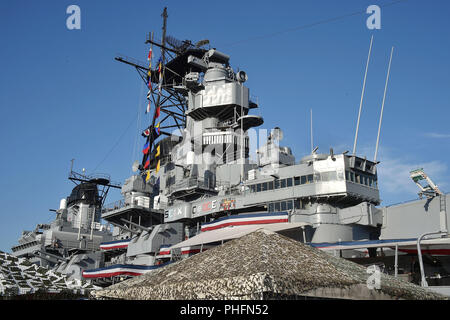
<point x="340" y="180"/>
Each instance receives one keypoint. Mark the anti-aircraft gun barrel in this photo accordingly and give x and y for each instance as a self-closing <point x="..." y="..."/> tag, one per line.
<point x="123" y="227"/>
<point x="136" y="225"/>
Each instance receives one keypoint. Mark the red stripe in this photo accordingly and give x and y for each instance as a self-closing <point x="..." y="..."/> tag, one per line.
<point x="194" y="251"/>
<point x="164" y="252"/>
<point x="429" y="251"/>
<point x="191" y="251"/>
<point x="242" y="223"/>
<point x="115" y="247"/>
<point x="149" y="55"/>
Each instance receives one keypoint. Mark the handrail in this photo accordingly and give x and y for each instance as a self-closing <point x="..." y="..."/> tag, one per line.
<point x="114" y="205"/>
<point x="196" y="182"/>
<point x="419" y="253"/>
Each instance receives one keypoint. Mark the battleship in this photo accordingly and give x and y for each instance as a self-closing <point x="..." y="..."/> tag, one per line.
<point x="197" y="186"/>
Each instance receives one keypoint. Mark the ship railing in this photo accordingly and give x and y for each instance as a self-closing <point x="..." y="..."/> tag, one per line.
<point x="76" y="175"/>
<point x="119" y="204"/>
<point x="25" y="245"/>
<point x="90" y="225"/>
<point x="85" y="244"/>
<point x="208" y="184"/>
<point x="115" y="206"/>
<point x="120" y="260"/>
<point x="225" y="123"/>
<point x="94" y="176"/>
<point x="185" y="184"/>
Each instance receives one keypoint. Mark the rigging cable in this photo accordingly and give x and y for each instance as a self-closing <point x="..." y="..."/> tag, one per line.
<point x="117" y="142"/>
<point x="306" y="26"/>
<point x="138" y="124"/>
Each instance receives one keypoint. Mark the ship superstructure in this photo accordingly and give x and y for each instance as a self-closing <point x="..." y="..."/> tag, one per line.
<point x="196" y="174"/>
<point x="71" y="242"/>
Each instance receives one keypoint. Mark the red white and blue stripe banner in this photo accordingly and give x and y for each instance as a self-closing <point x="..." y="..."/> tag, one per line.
<point x="112" y="245"/>
<point x="246" y="219"/>
<point x="120" y="270"/>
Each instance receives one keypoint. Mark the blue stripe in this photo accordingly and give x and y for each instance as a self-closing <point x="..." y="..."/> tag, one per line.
<point x="350" y="243"/>
<point x="258" y="215"/>
<point x="129" y="266"/>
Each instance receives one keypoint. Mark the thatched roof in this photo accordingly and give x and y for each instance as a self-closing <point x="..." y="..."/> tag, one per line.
<point x="259" y="265"/>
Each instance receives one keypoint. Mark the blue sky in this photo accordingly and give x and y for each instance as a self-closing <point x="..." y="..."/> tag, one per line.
<point x="63" y="96"/>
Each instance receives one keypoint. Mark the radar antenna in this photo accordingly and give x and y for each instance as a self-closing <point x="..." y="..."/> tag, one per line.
<point x="178" y="45"/>
<point x="202" y="43"/>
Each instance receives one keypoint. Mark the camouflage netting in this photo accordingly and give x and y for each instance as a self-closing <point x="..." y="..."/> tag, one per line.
<point x="259" y="265"/>
<point x="20" y="276"/>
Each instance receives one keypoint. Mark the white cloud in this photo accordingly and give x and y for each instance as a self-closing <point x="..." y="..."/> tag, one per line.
<point x="394" y="179"/>
<point x="395" y="184"/>
<point x="437" y="135"/>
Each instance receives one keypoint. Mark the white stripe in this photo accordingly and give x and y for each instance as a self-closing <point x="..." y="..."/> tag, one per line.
<point x="110" y="245"/>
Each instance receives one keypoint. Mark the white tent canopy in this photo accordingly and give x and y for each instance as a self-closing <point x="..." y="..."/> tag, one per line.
<point x="231" y="232"/>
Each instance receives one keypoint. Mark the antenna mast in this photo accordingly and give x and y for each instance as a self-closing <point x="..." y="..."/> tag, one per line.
<point x="163" y="43"/>
<point x="382" y="106"/>
<point x="362" y="96"/>
<point x="312" y="144"/>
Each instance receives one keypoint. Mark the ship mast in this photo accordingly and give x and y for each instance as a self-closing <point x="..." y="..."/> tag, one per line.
<point x="362" y="96"/>
<point x="163" y="42"/>
<point x="168" y="103"/>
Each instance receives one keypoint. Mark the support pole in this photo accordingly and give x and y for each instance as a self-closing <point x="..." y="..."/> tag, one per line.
<point x="424" y="282"/>
<point x="304" y="235"/>
<point x="242" y="134"/>
<point x="382" y="106"/>
<point x="92" y="225"/>
<point x="396" y="261"/>
<point x="362" y="96"/>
